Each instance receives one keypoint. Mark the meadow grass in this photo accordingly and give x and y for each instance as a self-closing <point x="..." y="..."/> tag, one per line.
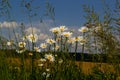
<point x="26" y="58"/>
<point x="12" y="68"/>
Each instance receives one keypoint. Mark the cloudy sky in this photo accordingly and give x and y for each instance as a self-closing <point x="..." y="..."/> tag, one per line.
<point x="67" y="12"/>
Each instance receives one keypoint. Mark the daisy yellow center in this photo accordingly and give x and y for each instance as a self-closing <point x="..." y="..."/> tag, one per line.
<point x="36" y="49"/>
<point x="32" y="37"/>
<point x="50" y="41"/>
<point x="49" y="57"/>
<point x="21" y="44"/>
<point x="66" y="35"/>
<point x="76" y="38"/>
<point x="84" y="30"/>
<point x="30" y="54"/>
<point x="44" y="46"/>
<point x="62" y="29"/>
<point x="57" y="47"/>
<point x="83" y="41"/>
<point x="55" y="31"/>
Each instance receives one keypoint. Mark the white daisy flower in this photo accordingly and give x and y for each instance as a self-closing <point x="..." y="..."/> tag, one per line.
<point x="9" y="43"/>
<point x="60" y="61"/>
<point x="56" y="47"/>
<point x="44" y="73"/>
<point x="79" y="38"/>
<point x="42" y="60"/>
<point x="37" y="49"/>
<point x="30" y="54"/>
<point x="55" y="30"/>
<point x="20" y="51"/>
<point x="40" y="65"/>
<point x="47" y="70"/>
<point x="83" y="29"/>
<point x="21" y="44"/>
<point x="32" y="37"/>
<point x="66" y="34"/>
<point x="62" y="28"/>
<point x="24" y="38"/>
<point x="50" y="57"/>
<point x="98" y="28"/>
<point x="43" y="45"/>
<point x="83" y="41"/>
<point x="48" y="75"/>
<point x="50" y="41"/>
<point x="71" y="40"/>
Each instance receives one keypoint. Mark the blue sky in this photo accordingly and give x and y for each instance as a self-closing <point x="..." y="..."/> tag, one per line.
<point x="71" y="12"/>
<point x="67" y="12"/>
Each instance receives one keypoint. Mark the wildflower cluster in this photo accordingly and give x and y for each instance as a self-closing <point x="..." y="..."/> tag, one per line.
<point x="61" y="41"/>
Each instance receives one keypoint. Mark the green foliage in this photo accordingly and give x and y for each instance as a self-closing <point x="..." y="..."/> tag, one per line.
<point x="67" y="70"/>
<point x="50" y="11"/>
<point x="28" y="67"/>
<point x="4" y="68"/>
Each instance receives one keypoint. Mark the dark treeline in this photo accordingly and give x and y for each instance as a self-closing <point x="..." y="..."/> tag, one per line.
<point x="102" y="58"/>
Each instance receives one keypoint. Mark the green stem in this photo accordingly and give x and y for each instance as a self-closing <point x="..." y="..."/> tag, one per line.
<point x="82" y="54"/>
<point x="76" y="49"/>
<point x="65" y="45"/>
<point x="23" y="66"/>
<point x="76" y="46"/>
<point x="33" y="59"/>
<point x="70" y="47"/>
<point x="55" y="37"/>
<point x="61" y="43"/>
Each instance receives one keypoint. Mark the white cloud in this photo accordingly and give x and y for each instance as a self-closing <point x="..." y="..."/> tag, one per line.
<point x="8" y="24"/>
<point x="43" y="36"/>
<point x="32" y="29"/>
<point x="42" y="26"/>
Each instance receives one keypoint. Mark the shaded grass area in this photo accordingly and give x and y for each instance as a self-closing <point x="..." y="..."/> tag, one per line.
<point x="104" y="58"/>
<point x="12" y="68"/>
<point x="86" y="66"/>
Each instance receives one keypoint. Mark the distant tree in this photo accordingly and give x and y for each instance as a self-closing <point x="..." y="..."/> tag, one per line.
<point x="116" y="21"/>
<point x="103" y="40"/>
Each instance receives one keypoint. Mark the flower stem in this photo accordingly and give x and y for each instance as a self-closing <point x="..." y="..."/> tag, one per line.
<point x="33" y="66"/>
<point x="82" y="54"/>
<point x="76" y="49"/>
